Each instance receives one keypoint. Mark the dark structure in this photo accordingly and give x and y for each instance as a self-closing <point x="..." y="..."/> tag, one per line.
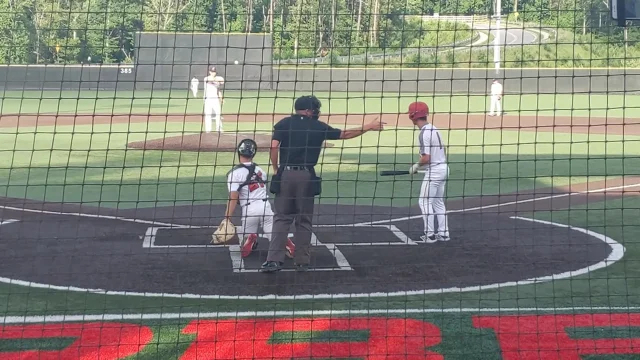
<point x="170" y="60"/>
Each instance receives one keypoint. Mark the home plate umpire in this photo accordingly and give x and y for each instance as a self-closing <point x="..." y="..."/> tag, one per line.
<point x="298" y="140"/>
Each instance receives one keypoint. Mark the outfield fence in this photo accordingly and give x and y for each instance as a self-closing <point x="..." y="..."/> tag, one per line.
<point x="291" y="78"/>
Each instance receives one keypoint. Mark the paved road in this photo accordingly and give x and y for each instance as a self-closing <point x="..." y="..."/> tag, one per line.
<point x="513" y="37"/>
<point x="508" y="37"/>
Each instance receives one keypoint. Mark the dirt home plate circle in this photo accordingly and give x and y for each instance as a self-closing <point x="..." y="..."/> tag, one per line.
<point x="167" y="252"/>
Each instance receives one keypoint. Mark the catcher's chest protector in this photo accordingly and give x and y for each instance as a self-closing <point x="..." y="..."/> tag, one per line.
<point x="251" y="176"/>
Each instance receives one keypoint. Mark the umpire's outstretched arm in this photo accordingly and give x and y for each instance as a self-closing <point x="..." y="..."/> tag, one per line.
<point x="375" y="125"/>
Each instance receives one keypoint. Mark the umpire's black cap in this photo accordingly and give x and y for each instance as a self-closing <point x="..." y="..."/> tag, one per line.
<point x="308" y="102"/>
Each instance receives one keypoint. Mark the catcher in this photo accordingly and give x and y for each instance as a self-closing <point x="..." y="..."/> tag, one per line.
<point x="246" y="183"/>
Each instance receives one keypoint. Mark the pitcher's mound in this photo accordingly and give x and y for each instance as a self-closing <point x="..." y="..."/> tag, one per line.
<point x="225" y="142"/>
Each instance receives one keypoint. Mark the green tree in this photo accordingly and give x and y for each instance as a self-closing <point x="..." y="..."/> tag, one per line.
<point x="14" y="35"/>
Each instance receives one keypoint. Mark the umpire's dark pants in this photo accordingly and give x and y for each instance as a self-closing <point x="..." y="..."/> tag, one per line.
<point x="293" y="203"/>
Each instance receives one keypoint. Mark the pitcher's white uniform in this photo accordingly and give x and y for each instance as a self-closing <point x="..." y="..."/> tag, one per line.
<point x="256" y="210"/>
<point x="496" y="98"/>
<point x="194" y="86"/>
<point x="435" y="180"/>
<point x="212" y="103"/>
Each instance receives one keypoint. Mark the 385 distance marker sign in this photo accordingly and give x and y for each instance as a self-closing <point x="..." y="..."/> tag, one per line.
<point x="125" y="70"/>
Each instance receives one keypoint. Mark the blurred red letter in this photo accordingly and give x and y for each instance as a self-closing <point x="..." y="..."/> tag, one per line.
<point x="97" y="340"/>
<point x="388" y="339"/>
<point x="544" y="337"/>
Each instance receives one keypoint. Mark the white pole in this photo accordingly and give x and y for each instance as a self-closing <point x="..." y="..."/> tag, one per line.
<point x="496" y="43"/>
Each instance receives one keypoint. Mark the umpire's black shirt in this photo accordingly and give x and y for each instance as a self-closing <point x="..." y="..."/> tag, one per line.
<point x="301" y="139"/>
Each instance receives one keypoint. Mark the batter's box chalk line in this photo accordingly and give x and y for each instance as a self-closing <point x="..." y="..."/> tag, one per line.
<point x="149" y="242"/>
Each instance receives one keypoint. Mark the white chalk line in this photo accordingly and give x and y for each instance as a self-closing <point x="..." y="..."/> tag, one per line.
<point x="283" y="313"/>
<point x="509" y="203"/>
<point x="341" y="261"/>
<point x="92" y="216"/>
<point x="149" y="238"/>
<point x="616" y="254"/>
<point x="149" y="242"/>
<point x="185" y="226"/>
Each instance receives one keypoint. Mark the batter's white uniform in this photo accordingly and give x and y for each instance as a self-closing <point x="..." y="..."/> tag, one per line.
<point x="194" y="86"/>
<point x="496" y="102"/>
<point x="256" y="210"/>
<point x="434" y="182"/>
<point x="212" y="103"/>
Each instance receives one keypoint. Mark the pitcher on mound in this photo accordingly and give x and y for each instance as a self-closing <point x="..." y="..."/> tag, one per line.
<point x="213" y="99"/>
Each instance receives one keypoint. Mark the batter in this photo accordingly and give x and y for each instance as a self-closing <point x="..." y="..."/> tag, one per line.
<point x="433" y="159"/>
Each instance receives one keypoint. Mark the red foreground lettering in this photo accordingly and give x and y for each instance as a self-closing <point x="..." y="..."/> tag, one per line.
<point x="545" y="338"/>
<point x="388" y="339"/>
<point x="97" y="340"/>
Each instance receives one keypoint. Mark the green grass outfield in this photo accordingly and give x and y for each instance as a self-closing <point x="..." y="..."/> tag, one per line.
<point x="91" y="165"/>
<point x="269" y="102"/>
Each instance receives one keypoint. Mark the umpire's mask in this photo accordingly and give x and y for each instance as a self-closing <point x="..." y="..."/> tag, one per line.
<point x="247" y="148"/>
<point x="308" y="102"/>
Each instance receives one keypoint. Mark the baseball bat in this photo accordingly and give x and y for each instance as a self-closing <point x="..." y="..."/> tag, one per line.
<point x="396" y="172"/>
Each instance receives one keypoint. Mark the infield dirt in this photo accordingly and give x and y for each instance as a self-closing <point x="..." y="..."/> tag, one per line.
<point x="568" y="124"/>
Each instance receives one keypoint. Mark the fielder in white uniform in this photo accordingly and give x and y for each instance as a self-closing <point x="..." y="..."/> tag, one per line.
<point x="213" y="99"/>
<point x="194" y="86"/>
<point x="433" y="159"/>
<point x="247" y="187"/>
<point x="496" y="98"/>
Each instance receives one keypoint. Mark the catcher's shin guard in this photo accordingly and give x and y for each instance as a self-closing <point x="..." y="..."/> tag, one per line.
<point x="291" y="248"/>
<point x="249" y="245"/>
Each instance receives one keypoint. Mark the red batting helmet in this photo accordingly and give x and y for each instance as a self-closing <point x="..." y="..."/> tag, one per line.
<point x="418" y="110"/>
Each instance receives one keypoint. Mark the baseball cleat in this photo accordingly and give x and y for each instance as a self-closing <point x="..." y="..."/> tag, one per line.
<point x="271" y="266"/>
<point x="249" y="245"/>
<point x="442" y="238"/>
<point x="428" y="239"/>
<point x="291" y="248"/>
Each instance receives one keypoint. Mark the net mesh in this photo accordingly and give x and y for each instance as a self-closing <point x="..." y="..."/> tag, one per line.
<point x="500" y="222"/>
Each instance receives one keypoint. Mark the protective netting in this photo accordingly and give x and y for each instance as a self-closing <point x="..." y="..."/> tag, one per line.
<point x="512" y="123"/>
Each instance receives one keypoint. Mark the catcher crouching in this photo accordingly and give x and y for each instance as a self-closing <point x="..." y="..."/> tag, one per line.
<point x="246" y="184"/>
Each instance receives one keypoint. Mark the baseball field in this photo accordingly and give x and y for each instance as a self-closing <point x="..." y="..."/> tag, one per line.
<point x="109" y="200"/>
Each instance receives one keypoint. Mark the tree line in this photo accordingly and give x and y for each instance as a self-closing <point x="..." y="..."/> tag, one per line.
<point x="73" y="31"/>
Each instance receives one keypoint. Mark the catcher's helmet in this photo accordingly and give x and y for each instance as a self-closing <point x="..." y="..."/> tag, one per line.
<point x="248" y="148"/>
<point x="308" y="102"/>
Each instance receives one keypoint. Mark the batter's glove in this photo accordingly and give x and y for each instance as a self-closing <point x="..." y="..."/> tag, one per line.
<point x="414" y="168"/>
<point x="224" y="233"/>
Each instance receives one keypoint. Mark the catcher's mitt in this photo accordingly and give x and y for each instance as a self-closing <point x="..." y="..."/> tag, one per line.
<point x="224" y="233"/>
